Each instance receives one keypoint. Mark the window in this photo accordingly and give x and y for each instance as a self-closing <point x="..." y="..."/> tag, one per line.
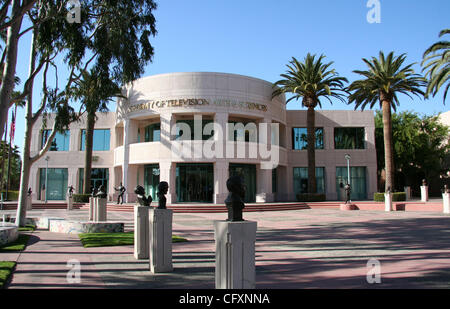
<point x="100" y="140"/>
<point x="240" y="131"/>
<point x="301" y="180"/>
<point x="190" y="123"/>
<point x="349" y="138"/>
<point x="153" y="133"/>
<point x="56" y="180"/>
<point x="59" y="143"/>
<point x="299" y="138"/>
<point x="99" y="176"/>
<point x="357" y="182"/>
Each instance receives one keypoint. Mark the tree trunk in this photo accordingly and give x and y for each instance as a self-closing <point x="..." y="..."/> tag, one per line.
<point x="388" y="145"/>
<point x="88" y="152"/>
<point x="8" y="75"/>
<point x="311" y="138"/>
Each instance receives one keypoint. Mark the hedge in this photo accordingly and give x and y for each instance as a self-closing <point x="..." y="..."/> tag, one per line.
<point x="311" y="197"/>
<point x="12" y="195"/>
<point x="81" y="198"/>
<point x="396" y="196"/>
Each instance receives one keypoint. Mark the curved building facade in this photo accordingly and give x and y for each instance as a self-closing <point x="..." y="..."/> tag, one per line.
<point x="194" y="130"/>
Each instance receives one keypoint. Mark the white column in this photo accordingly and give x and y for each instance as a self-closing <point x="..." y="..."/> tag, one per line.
<point x="388" y="201"/>
<point x="263" y="185"/>
<point x="446" y="202"/>
<point x="141" y="232"/>
<point x="160" y="240"/>
<point x="221" y="176"/>
<point x="126" y="155"/>
<point x="235" y="254"/>
<point x="167" y="172"/>
<point x="424" y="193"/>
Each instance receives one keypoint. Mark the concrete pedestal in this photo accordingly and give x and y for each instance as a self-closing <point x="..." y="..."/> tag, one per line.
<point x="408" y="193"/>
<point x="388" y="202"/>
<point x="160" y="240"/>
<point x="69" y="203"/>
<point x="235" y="254"/>
<point x="100" y="209"/>
<point x="424" y="193"/>
<point x="446" y="202"/>
<point x="141" y="234"/>
<point x="91" y="209"/>
<point x="29" y="203"/>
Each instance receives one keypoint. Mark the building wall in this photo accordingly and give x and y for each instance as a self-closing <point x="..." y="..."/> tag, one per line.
<point x="223" y="98"/>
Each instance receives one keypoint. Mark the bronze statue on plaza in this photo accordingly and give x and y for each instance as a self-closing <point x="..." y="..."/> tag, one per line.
<point x="348" y="191"/>
<point x="234" y="201"/>
<point x="163" y="188"/>
<point x="141" y="198"/>
<point x="101" y="193"/>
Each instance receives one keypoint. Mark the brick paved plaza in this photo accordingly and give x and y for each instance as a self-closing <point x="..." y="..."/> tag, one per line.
<point x="315" y="248"/>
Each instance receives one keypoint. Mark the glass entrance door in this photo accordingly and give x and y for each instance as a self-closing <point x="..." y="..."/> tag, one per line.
<point x="248" y="173"/>
<point x="194" y="182"/>
<point x="357" y="182"/>
<point x="151" y="180"/>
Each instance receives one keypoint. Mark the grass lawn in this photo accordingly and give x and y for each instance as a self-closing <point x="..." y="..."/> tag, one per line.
<point x="17" y="245"/>
<point x="113" y="239"/>
<point x="6" y="269"/>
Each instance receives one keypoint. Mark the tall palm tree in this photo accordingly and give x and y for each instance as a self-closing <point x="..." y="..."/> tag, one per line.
<point x="94" y="90"/>
<point x="436" y="60"/>
<point x="311" y="80"/>
<point x="385" y="78"/>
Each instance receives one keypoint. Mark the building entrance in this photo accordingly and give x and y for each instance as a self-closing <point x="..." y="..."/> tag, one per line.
<point x="195" y="182"/>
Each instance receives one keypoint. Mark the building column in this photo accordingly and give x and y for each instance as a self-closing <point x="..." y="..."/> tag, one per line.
<point x="221" y="174"/>
<point x="167" y="172"/>
<point x="263" y="185"/>
<point x="126" y="155"/>
<point x="330" y="183"/>
<point x="131" y="183"/>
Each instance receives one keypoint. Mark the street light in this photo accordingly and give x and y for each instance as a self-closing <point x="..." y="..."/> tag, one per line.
<point x="46" y="178"/>
<point x="348" y="157"/>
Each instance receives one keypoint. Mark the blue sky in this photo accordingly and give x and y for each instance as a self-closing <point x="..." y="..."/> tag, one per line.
<point x="259" y="37"/>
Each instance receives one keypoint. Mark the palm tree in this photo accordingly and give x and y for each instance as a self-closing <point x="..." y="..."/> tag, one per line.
<point x="95" y="91"/>
<point x="311" y="80"/>
<point x="438" y="66"/>
<point x="382" y="82"/>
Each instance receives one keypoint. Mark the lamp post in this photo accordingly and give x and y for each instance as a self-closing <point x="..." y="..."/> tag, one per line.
<point x="46" y="178"/>
<point x="348" y="157"/>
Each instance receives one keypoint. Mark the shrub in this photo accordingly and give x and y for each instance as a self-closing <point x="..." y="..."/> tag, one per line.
<point x="396" y="196"/>
<point x="311" y="197"/>
<point x="12" y="195"/>
<point x="81" y="198"/>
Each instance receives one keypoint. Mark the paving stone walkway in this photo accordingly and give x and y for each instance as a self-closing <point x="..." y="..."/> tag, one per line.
<point x="294" y="249"/>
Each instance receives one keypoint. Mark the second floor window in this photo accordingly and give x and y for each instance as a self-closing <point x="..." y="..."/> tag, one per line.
<point x="100" y="141"/>
<point x="349" y="138"/>
<point x="299" y="138"/>
<point x="59" y="143"/>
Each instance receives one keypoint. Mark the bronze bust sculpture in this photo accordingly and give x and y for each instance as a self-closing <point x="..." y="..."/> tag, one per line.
<point x="141" y="198"/>
<point x="234" y="201"/>
<point x="163" y="187"/>
<point x="101" y="193"/>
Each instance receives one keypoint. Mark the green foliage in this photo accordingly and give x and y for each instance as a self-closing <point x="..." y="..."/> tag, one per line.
<point x="436" y="60"/>
<point x="17" y="245"/>
<point x="81" y="198"/>
<point x="311" y="79"/>
<point x="6" y="269"/>
<point x="113" y="239"/>
<point x="419" y="144"/>
<point x="311" y="197"/>
<point x="385" y="78"/>
<point x="12" y="195"/>
<point x="396" y="197"/>
<point x="16" y="163"/>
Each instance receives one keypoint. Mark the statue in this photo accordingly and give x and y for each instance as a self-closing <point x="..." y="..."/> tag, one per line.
<point x="234" y="201"/>
<point x="101" y="193"/>
<point x="29" y="192"/>
<point x="348" y="191"/>
<point x="163" y="187"/>
<point x="446" y="190"/>
<point x="142" y="200"/>
<point x="70" y="190"/>
<point x="93" y="191"/>
<point x="121" y="190"/>
<point x="424" y="182"/>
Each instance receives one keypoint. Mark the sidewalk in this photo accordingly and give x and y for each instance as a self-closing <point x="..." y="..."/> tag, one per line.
<point x="294" y="249"/>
